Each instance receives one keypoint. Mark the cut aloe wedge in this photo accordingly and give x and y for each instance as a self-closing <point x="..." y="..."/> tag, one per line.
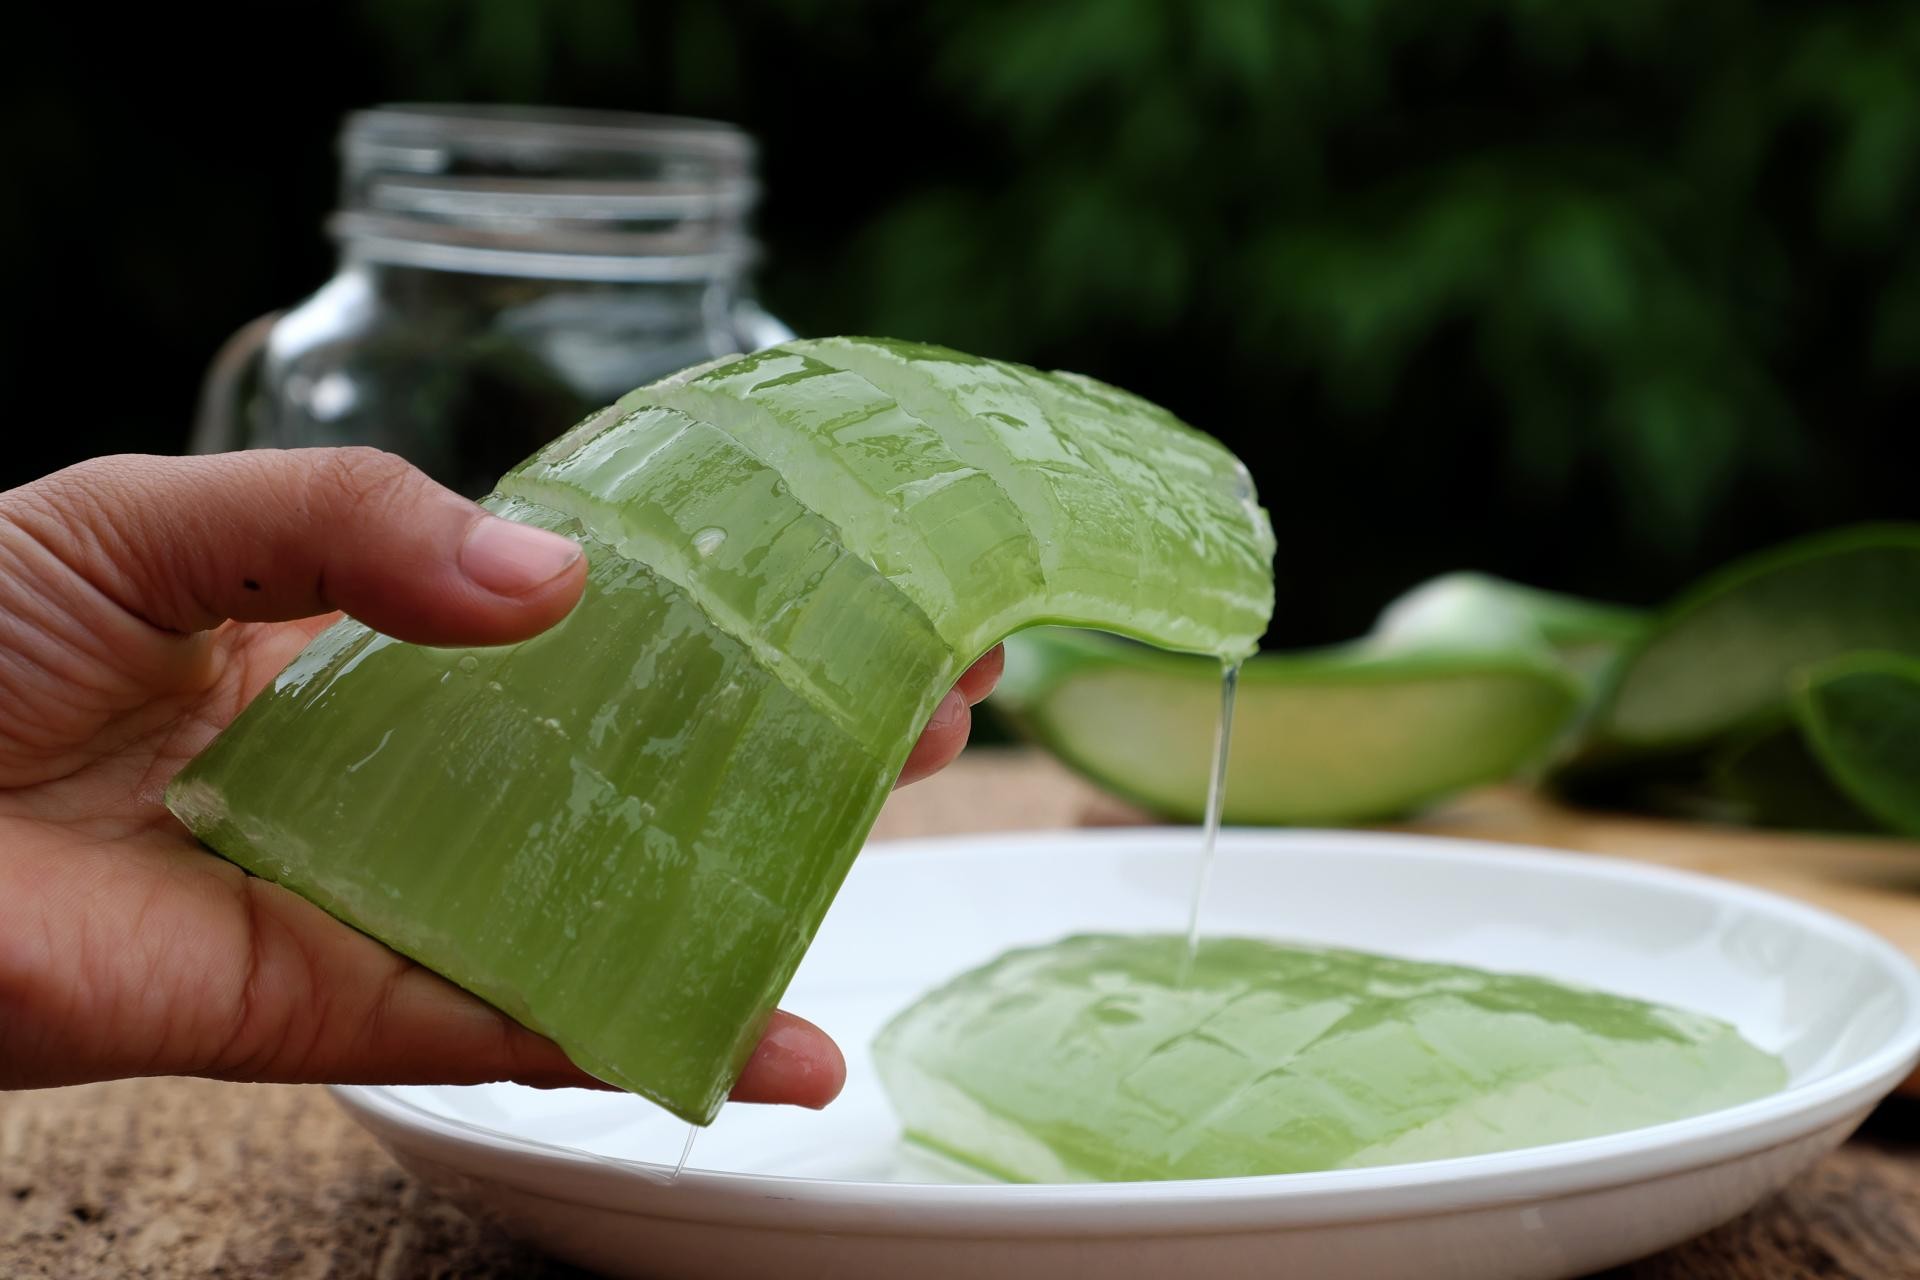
<point x="1722" y="658"/>
<point x="1476" y="611"/>
<point x="624" y="832"/>
<point x="1336" y="736"/>
<point x="1102" y="1058"/>
<point x="1861" y="713"/>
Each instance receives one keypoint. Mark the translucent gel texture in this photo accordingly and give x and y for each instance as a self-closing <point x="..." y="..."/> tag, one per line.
<point x="624" y="832"/>
<point x="1088" y="1060"/>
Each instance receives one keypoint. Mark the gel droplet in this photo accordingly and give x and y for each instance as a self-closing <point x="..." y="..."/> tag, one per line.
<point x="708" y="541"/>
<point x="468" y="665"/>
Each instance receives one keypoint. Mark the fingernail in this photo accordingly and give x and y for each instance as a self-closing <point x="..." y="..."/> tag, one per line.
<point x="950" y="711"/>
<point x="511" y="559"/>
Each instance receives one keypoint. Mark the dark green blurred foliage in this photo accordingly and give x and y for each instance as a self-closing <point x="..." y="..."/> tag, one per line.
<point x="1624" y="262"/>
<point x="1590" y="293"/>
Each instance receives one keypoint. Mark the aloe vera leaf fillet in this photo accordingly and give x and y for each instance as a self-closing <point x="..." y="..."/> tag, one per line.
<point x="624" y="832"/>
<point x="1116" y="1058"/>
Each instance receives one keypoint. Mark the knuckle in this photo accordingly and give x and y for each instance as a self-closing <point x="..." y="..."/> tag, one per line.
<point x="90" y="475"/>
<point x="359" y="479"/>
<point x="75" y="495"/>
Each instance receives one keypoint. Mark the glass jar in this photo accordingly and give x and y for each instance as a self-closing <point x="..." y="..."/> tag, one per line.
<point x="502" y="272"/>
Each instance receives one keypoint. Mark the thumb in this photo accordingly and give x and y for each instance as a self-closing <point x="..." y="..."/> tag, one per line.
<point x="266" y="535"/>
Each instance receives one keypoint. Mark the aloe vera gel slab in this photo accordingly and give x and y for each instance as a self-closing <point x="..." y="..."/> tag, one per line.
<point x="624" y="832"/>
<point x="1109" y="1058"/>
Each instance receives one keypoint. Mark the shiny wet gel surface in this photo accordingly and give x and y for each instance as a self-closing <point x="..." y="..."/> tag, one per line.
<point x="1092" y="1060"/>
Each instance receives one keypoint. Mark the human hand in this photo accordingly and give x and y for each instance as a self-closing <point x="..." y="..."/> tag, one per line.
<point x="143" y="602"/>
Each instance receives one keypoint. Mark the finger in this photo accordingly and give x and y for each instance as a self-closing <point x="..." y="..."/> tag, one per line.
<point x="324" y="1003"/>
<point x="796" y="1062"/>
<point x="945" y="735"/>
<point x="185" y="543"/>
<point x="979" y="679"/>
<point x="329" y="1004"/>
<point x="162" y="961"/>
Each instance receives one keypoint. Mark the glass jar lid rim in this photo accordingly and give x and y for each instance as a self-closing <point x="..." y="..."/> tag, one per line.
<point x="580" y="267"/>
<point x="686" y="253"/>
<point x="413" y="124"/>
<point x="573" y="197"/>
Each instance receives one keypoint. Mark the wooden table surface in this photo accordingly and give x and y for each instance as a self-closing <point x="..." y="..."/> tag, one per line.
<point x="172" y="1178"/>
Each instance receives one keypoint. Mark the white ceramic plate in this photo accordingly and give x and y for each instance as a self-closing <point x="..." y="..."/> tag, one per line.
<point x="768" y="1191"/>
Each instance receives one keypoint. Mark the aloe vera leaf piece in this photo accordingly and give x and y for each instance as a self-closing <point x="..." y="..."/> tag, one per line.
<point x="887" y="480"/>
<point x="1104" y="1058"/>
<point x="543" y="824"/>
<point x="1469" y="610"/>
<point x="1861" y="714"/>
<point x="1063" y="444"/>
<point x="1722" y="657"/>
<point x="1103" y="495"/>
<point x="1334" y="736"/>
<point x="625" y="831"/>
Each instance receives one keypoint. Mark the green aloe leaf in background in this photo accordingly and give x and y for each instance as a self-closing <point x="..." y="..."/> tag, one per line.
<point x="1861" y="713"/>
<point x="1698" y="717"/>
<point x="1721" y="657"/>
<point x="1459" y="685"/>
<point x="624" y="832"/>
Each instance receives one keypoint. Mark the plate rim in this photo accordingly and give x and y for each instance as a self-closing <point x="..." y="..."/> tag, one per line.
<point x="1793" y="1114"/>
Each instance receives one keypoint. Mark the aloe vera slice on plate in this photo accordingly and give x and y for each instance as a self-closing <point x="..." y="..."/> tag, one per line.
<point x="1339" y="735"/>
<point x="1861" y="714"/>
<point x="625" y="831"/>
<point x="1109" y="1058"/>
<point x="1722" y="658"/>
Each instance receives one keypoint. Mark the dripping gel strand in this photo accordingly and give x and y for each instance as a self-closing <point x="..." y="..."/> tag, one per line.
<point x="686" y="1152"/>
<point x="1216" y="797"/>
